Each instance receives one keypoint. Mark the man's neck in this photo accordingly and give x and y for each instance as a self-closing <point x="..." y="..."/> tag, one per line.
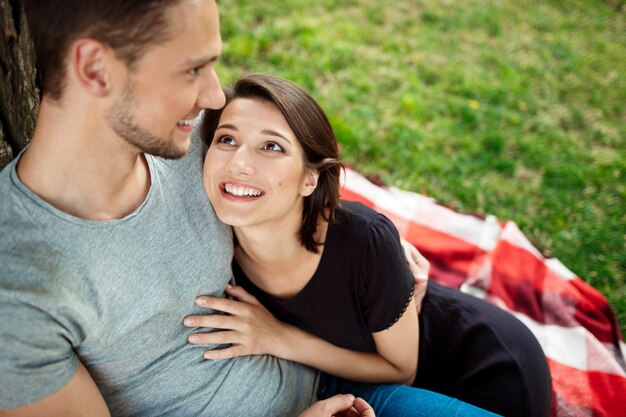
<point x="83" y="168"/>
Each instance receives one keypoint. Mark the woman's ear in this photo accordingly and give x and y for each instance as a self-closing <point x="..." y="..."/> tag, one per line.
<point x="310" y="182"/>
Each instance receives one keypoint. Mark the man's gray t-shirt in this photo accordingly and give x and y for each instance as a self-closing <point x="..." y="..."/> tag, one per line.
<point x="113" y="295"/>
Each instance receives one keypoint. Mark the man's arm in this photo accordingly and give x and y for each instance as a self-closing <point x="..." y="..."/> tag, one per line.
<point x="79" y="397"/>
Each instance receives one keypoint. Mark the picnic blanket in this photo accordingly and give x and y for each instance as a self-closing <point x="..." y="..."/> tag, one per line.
<point x="493" y="260"/>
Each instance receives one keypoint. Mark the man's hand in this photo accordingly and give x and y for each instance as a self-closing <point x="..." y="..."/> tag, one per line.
<point x="420" y="267"/>
<point x="248" y="327"/>
<point x="341" y="405"/>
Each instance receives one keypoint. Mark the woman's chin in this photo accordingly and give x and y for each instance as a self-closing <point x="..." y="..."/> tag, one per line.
<point x="231" y="220"/>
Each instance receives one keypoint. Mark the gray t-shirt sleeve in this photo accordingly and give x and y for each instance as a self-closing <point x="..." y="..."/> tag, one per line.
<point x="36" y="358"/>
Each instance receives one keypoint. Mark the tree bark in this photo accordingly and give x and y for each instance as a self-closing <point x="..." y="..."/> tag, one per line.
<point x="19" y="95"/>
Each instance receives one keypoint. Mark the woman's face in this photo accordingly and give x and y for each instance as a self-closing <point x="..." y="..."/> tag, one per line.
<point x="254" y="169"/>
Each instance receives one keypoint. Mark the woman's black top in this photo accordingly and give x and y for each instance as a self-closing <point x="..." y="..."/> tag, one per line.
<point x="362" y="284"/>
<point x="468" y="348"/>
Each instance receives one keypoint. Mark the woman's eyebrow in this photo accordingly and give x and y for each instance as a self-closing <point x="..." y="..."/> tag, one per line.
<point x="227" y="126"/>
<point x="274" y="133"/>
<point x="267" y="132"/>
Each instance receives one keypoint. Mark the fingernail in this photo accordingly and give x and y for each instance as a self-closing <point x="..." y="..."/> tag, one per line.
<point x="207" y="355"/>
<point x="193" y="338"/>
<point x="229" y="286"/>
<point x="201" y="301"/>
<point x="189" y="321"/>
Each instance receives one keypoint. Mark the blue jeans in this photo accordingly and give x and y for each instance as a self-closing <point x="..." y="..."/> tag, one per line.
<point x="400" y="400"/>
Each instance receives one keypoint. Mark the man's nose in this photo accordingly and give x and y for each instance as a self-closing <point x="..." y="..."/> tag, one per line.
<point x="211" y="95"/>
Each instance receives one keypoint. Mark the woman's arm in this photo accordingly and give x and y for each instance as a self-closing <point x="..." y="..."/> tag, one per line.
<point x="394" y="362"/>
<point x="252" y="330"/>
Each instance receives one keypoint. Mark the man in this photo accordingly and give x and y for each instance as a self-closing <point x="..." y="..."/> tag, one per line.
<point x="105" y="241"/>
<point x="104" y="247"/>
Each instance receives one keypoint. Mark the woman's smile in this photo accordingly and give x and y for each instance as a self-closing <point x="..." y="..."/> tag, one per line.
<point x="237" y="191"/>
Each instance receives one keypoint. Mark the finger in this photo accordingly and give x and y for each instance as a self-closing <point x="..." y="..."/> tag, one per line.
<point x="363" y="408"/>
<point x="415" y="260"/>
<point x="226" y="353"/>
<point x="419" y="292"/>
<point x="351" y="412"/>
<point x="423" y="266"/>
<point x="419" y="275"/>
<point x="420" y="278"/>
<point x="212" y="321"/>
<point x="221" y="304"/>
<point x="417" y="256"/>
<point x="338" y="403"/>
<point x="422" y="263"/>
<point x="241" y="294"/>
<point x="213" y="338"/>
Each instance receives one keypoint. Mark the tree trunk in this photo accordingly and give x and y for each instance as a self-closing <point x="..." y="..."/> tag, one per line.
<point x="19" y="95"/>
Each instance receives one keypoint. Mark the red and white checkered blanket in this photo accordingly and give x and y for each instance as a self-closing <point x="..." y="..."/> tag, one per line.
<point x="493" y="260"/>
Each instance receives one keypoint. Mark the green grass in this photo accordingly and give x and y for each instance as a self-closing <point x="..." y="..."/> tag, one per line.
<point x="510" y="107"/>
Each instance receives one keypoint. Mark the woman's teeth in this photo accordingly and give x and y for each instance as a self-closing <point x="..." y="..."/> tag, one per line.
<point x="239" y="191"/>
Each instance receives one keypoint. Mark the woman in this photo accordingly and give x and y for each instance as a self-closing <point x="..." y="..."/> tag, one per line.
<point x="325" y="283"/>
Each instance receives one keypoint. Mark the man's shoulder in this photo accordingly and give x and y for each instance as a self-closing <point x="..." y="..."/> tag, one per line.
<point x="24" y="242"/>
<point x="5" y="177"/>
<point x="10" y="200"/>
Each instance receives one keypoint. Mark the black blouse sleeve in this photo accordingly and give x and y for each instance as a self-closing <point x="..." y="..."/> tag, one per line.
<point x="385" y="278"/>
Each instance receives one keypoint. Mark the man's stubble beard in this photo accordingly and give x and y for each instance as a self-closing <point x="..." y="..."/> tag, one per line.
<point x="121" y="118"/>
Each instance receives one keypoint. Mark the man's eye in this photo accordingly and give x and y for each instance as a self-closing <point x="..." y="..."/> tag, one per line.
<point x="274" y="147"/>
<point x="194" y="71"/>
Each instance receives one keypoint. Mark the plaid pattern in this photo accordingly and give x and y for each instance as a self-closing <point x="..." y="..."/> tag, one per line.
<point x="493" y="260"/>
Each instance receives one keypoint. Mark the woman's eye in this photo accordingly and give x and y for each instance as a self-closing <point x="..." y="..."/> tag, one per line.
<point x="274" y="147"/>
<point x="225" y="140"/>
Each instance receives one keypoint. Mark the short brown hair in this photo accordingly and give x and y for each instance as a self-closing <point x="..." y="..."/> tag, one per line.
<point x="310" y="125"/>
<point x="126" y="26"/>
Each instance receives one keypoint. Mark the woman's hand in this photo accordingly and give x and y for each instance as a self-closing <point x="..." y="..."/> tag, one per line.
<point x="248" y="327"/>
<point x="420" y="268"/>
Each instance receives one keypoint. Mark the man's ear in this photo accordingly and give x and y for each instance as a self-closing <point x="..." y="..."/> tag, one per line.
<point x="91" y="66"/>
<point x="310" y="182"/>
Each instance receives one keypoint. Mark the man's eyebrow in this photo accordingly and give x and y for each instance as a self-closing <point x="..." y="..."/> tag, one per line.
<point x="198" y="62"/>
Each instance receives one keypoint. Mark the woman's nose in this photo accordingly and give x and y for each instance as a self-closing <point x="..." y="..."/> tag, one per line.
<point x="240" y="163"/>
